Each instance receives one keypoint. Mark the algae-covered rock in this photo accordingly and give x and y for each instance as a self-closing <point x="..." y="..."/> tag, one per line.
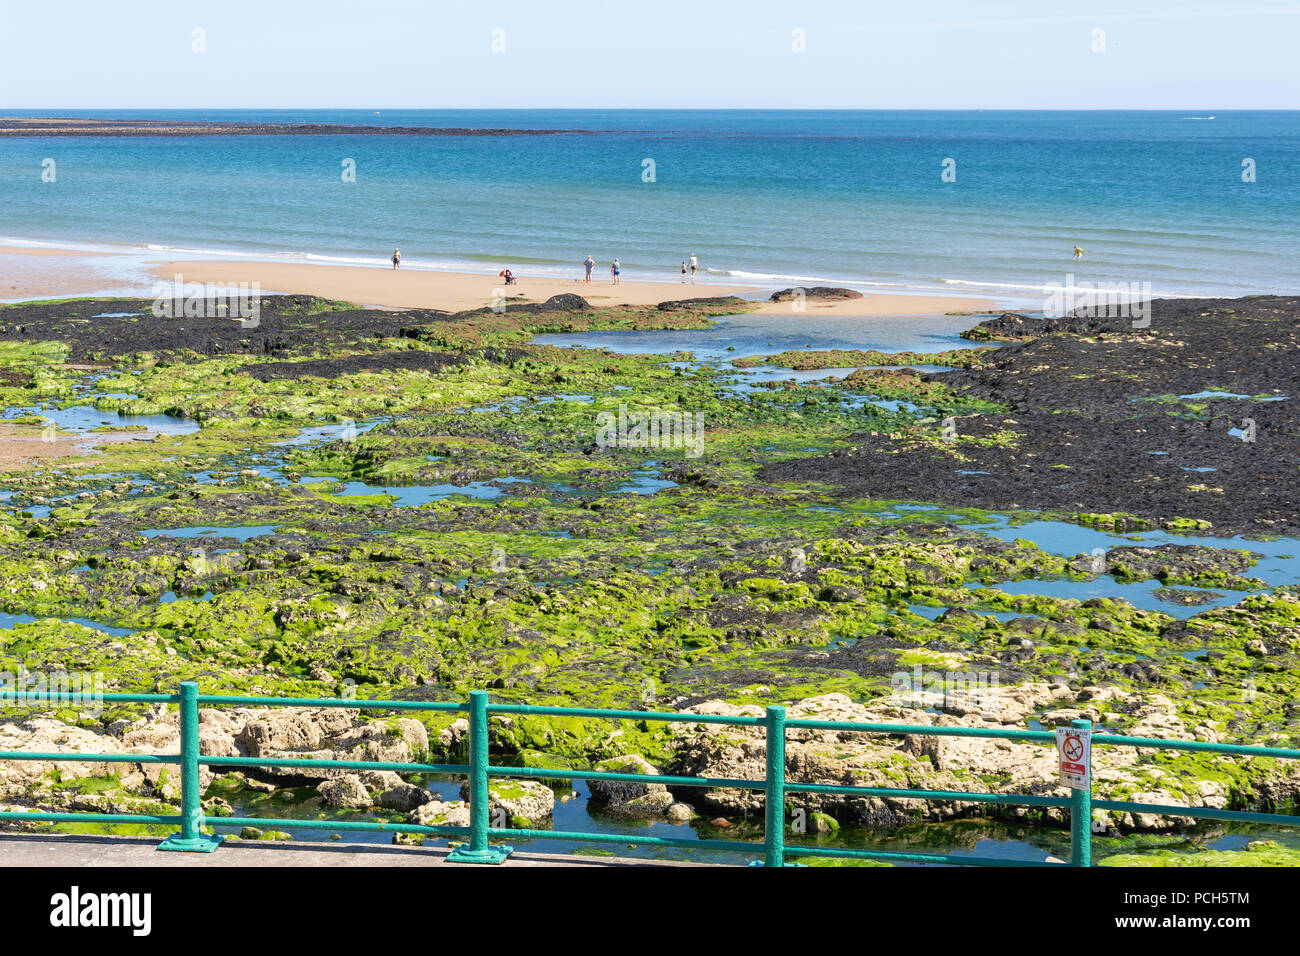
<point x="347" y="792"/>
<point x="621" y="791"/>
<point x="630" y="798"/>
<point x="678" y="813"/>
<point x="819" y="822"/>
<point x="518" y="798"/>
<point x="405" y="797"/>
<point x="440" y="813"/>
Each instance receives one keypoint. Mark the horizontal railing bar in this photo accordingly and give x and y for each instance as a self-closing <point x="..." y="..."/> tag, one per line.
<point x="1200" y="813"/>
<point x="306" y="764"/>
<point x="89" y="817"/>
<point x="672" y="718"/>
<point x="1007" y="799"/>
<point x="845" y="853"/>
<point x="370" y="826"/>
<point x="1045" y="736"/>
<point x="1241" y="750"/>
<point x="922" y="730"/>
<point x="72" y="757"/>
<point x="219" y="699"/>
<point x="57" y="697"/>
<point x="533" y="774"/>
<point x="627" y="839"/>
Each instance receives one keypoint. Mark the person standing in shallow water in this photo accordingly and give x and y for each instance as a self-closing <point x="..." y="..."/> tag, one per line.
<point x="615" y="270"/>
<point x="397" y="258"/>
<point x="695" y="263"/>
<point x="590" y="264"/>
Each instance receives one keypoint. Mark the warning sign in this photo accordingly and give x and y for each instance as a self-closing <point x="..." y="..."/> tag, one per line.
<point x="1074" y="747"/>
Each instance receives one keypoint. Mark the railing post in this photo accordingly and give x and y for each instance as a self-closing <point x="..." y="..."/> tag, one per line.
<point x="774" y="809"/>
<point x="1081" y="813"/>
<point x="191" y="839"/>
<point x="478" y="850"/>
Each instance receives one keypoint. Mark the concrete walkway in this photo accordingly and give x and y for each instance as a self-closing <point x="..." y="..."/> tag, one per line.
<point x="50" y="849"/>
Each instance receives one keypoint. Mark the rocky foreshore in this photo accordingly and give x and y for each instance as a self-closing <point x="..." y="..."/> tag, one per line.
<point x="413" y="505"/>
<point x="36" y="126"/>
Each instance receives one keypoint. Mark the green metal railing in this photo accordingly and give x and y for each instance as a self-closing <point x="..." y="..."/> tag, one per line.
<point x="479" y="834"/>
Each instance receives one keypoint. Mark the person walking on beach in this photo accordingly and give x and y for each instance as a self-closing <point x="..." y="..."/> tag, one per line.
<point x="614" y="270"/>
<point x="1079" y="251"/>
<point x="695" y="264"/>
<point x="590" y="264"/>
<point x="397" y="258"/>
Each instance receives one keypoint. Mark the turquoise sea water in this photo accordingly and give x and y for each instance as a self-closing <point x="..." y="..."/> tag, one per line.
<point x="776" y="197"/>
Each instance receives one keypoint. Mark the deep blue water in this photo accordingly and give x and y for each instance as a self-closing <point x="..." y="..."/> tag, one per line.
<point x="853" y="196"/>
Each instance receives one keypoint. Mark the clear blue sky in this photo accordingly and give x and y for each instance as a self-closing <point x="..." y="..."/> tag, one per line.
<point x="866" y="54"/>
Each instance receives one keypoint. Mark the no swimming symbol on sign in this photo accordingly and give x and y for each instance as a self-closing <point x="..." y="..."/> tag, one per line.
<point x="1074" y="747"/>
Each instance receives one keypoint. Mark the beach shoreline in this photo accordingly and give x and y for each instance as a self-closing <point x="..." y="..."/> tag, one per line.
<point x="459" y="291"/>
<point x="51" y="271"/>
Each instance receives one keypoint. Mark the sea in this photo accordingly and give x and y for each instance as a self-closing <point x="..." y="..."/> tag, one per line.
<point x="1185" y="203"/>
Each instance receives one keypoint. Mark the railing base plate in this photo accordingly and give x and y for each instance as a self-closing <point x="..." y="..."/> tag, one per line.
<point x="199" y="844"/>
<point x="493" y="854"/>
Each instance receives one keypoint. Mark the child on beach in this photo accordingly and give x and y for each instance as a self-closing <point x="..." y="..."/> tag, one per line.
<point x="614" y="270"/>
<point x="590" y="263"/>
<point x="683" y="271"/>
<point x="1078" y="252"/>
<point x="397" y="258"/>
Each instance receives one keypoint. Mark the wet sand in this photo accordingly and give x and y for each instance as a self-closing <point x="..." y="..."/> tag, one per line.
<point x="21" y="446"/>
<point x="28" y="272"/>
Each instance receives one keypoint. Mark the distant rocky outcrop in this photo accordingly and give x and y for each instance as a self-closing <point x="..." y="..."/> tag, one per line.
<point x="706" y="302"/>
<point x="814" y="292"/>
<point x="1013" y="327"/>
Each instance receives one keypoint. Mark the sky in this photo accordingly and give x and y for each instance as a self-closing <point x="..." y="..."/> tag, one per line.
<point x="760" y="54"/>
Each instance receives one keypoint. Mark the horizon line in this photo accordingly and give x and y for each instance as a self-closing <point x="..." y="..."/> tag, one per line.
<point x="707" y="109"/>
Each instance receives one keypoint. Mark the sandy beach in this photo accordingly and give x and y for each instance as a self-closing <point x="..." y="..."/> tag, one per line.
<point x="28" y="272"/>
<point x="454" y="291"/>
<point x="48" y="272"/>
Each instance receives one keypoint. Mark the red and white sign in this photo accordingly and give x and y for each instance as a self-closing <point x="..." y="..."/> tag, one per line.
<point x="1074" y="747"/>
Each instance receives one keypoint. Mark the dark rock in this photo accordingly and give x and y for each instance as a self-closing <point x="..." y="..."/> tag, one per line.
<point x="815" y="292"/>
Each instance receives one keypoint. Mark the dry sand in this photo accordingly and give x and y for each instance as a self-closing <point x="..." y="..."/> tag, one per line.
<point x="454" y="291"/>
